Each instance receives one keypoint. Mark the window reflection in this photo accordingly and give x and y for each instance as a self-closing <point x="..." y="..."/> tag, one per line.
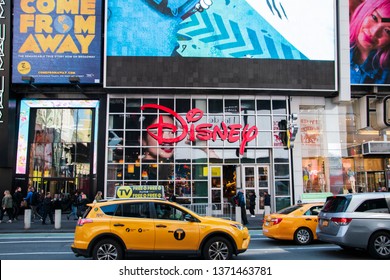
<point x="61" y="143"/>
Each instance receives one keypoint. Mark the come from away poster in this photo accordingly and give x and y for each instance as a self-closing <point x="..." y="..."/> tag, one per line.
<point x="57" y="39"/>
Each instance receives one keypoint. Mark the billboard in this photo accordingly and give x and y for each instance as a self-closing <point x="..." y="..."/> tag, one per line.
<point x="236" y="44"/>
<point x="369" y="40"/>
<point x="57" y="39"/>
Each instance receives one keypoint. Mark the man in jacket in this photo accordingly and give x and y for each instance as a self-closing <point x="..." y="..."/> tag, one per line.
<point x="241" y="204"/>
<point x="17" y="198"/>
<point x="47" y="206"/>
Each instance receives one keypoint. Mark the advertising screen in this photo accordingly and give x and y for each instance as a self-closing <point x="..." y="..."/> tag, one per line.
<point x="369" y="40"/>
<point x="57" y="39"/>
<point x="245" y="44"/>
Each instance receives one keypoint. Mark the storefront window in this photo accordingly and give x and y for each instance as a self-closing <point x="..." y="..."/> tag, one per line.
<point x="117" y="105"/>
<point x="315" y="176"/>
<point x="60" y="148"/>
<point x="174" y="141"/>
<point x="264" y="107"/>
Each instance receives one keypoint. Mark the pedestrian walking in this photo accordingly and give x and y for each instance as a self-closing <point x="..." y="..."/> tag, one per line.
<point x="47" y="208"/>
<point x="241" y="202"/>
<point x="74" y="204"/>
<point x="252" y="203"/>
<point x="17" y="199"/>
<point x="34" y="203"/>
<point x="267" y="203"/>
<point x="7" y="206"/>
<point x="57" y="202"/>
<point x="82" y="204"/>
<point x="98" y="196"/>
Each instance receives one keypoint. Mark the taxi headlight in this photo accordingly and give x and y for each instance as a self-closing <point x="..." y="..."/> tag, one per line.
<point x="239" y="226"/>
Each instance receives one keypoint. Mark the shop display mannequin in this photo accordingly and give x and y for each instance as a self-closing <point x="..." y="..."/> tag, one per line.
<point x="321" y="181"/>
<point x="351" y="178"/>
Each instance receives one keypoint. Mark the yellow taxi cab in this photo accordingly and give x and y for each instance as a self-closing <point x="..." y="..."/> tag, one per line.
<point x="116" y="228"/>
<point x="297" y="223"/>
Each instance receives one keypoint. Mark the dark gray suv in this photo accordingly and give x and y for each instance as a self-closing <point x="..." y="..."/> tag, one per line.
<point x="357" y="221"/>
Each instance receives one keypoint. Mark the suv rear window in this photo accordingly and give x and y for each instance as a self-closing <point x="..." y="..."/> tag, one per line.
<point x="336" y="204"/>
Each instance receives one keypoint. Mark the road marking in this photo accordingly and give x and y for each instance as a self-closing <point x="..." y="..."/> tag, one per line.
<point x="36" y="253"/>
<point x="284" y="249"/>
<point x="36" y="235"/>
<point x="34" y="241"/>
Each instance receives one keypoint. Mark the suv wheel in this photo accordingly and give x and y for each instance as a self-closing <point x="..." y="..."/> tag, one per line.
<point x="217" y="248"/>
<point x="379" y="245"/>
<point x="303" y="236"/>
<point x="107" y="249"/>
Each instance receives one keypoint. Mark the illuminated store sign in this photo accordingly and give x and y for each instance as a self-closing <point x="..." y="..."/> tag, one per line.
<point x="57" y="39"/>
<point x="381" y="111"/>
<point x="203" y="131"/>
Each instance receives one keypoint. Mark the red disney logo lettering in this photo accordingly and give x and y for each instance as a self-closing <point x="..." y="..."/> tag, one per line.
<point x="204" y="131"/>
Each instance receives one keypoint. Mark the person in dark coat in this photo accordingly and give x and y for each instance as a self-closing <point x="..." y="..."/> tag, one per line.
<point x="252" y="203"/>
<point x="17" y="198"/>
<point x="241" y="203"/>
<point x="47" y="209"/>
<point x="74" y="200"/>
<point x="267" y="203"/>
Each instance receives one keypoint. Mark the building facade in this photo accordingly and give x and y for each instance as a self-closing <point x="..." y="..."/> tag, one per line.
<point x="150" y="108"/>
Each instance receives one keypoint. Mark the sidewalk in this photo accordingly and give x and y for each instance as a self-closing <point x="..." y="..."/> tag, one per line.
<point x="37" y="227"/>
<point x="68" y="226"/>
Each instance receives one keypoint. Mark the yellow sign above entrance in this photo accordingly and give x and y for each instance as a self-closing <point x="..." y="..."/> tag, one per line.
<point x="139" y="192"/>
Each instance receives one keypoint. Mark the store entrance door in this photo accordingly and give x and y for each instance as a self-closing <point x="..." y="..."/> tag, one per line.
<point x="59" y="185"/>
<point x="371" y="181"/>
<point x="256" y="180"/>
<point x="222" y="186"/>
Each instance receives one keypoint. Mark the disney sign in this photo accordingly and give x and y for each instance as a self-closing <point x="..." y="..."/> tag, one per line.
<point x="202" y="131"/>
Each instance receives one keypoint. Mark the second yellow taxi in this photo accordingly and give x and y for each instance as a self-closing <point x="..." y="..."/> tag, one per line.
<point x="297" y="223"/>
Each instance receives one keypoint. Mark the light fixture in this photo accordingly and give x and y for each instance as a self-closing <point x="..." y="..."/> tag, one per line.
<point x="30" y="81"/>
<point x="74" y="80"/>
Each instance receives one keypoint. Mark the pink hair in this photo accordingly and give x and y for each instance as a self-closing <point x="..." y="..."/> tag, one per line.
<point x="362" y="11"/>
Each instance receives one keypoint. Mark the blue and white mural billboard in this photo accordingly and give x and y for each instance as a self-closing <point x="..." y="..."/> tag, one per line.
<point x="275" y="44"/>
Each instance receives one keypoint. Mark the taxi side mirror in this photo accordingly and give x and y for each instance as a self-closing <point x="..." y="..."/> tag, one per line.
<point x="189" y="218"/>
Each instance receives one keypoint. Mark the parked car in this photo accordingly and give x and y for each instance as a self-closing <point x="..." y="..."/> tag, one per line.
<point x="297" y="222"/>
<point x="115" y="228"/>
<point x="357" y="221"/>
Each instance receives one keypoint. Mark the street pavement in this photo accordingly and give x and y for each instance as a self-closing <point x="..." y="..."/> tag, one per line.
<point x="69" y="225"/>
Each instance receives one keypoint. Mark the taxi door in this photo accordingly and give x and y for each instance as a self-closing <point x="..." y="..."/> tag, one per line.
<point x="173" y="233"/>
<point x="132" y="222"/>
<point x="311" y="218"/>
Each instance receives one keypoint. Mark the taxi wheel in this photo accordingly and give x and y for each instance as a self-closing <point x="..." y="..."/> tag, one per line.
<point x="303" y="236"/>
<point x="217" y="248"/>
<point x="107" y="249"/>
<point x="379" y="245"/>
